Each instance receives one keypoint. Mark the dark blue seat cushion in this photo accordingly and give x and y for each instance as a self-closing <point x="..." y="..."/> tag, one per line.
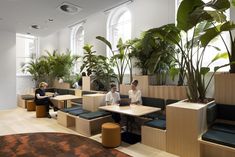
<point x="171" y="101"/>
<point x="88" y="92"/>
<point x="72" y="92"/>
<point x="226" y="112"/>
<point x="154" y="102"/>
<point x="224" y="127"/>
<point x="211" y="112"/>
<point x="156" y="115"/>
<point x="93" y="115"/>
<point x="62" y="91"/>
<point x="52" y="90"/>
<point x="27" y="97"/>
<point x="71" y="109"/>
<point x="157" y="123"/>
<point x="78" y="112"/>
<point x="219" y="137"/>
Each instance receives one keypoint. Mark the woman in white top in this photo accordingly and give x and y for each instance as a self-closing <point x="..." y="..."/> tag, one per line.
<point x="112" y="97"/>
<point x="134" y="93"/>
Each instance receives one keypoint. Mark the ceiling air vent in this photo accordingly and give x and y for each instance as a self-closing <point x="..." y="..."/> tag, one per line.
<point x="69" y="8"/>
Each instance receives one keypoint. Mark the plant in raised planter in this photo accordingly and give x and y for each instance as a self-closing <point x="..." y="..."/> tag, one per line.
<point x="61" y="64"/>
<point x="154" y="55"/>
<point x="193" y="19"/>
<point x="100" y="67"/>
<point x="39" y="69"/>
<point x="120" y="58"/>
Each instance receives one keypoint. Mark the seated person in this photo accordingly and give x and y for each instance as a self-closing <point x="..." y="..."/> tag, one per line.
<point x="135" y="94"/>
<point x="78" y="84"/>
<point x="112" y="98"/>
<point x="42" y="99"/>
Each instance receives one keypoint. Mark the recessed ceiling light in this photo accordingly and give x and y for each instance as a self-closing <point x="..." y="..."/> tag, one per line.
<point x="35" y="26"/>
<point x="69" y="8"/>
<point x="50" y="20"/>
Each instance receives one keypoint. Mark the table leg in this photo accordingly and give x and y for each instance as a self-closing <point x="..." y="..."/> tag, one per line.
<point x="65" y="103"/>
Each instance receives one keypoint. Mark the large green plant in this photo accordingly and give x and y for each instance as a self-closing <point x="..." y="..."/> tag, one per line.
<point x="121" y="58"/>
<point x="100" y="66"/>
<point x="61" y="64"/>
<point x="193" y="20"/>
<point x="39" y="70"/>
<point x="154" y="55"/>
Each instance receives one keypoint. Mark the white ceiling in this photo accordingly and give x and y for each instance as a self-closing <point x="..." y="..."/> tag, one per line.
<point x="18" y="15"/>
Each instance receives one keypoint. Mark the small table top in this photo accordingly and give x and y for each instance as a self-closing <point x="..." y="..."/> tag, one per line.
<point x="132" y="110"/>
<point x="65" y="97"/>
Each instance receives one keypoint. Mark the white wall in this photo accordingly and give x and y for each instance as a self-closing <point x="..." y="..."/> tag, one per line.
<point x="8" y="70"/>
<point x="146" y="14"/>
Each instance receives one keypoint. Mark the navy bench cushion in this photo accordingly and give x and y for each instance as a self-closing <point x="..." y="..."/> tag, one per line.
<point x="52" y="90"/>
<point x="171" y="101"/>
<point x="71" y="109"/>
<point x="226" y="112"/>
<point x="155" y="115"/>
<point x="219" y="137"/>
<point x="154" y="102"/>
<point x="88" y="92"/>
<point x="224" y="127"/>
<point x="93" y="115"/>
<point x="124" y="96"/>
<point x="157" y="123"/>
<point x="62" y="91"/>
<point x="78" y="112"/>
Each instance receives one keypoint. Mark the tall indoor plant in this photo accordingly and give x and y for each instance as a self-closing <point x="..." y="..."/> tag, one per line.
<point x="193" y="19"/>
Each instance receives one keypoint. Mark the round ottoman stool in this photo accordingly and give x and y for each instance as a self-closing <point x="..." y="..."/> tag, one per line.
<point x="31" y="106"/>
<point x="41" y="111"/>
<point x="111" y="135"/>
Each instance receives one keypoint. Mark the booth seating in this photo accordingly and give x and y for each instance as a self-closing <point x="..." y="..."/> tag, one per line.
<point x="156" y="102"/>
<point x="89" y="124"/>
<point x="221" y="132"/>
<point x="153" y="134"/>
<point x="111" y="135"/>
<point x="66" y="117"/>
<point x="41" y="111"/>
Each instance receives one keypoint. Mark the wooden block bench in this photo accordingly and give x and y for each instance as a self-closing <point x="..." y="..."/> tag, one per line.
<point x="219" y="139"/>
<point x="153" y="134"/>
<point x="89" y="124"/>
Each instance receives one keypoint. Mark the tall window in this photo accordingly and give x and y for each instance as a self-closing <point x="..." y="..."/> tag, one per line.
<point x="26" y="50"/>
<point x="118" y="26"/>
<point x="217" y="42"/>
<point x="77" y="43"/>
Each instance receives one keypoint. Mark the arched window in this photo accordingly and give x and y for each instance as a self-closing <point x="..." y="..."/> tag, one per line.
<point x="77" y="43"/>
<point x="118" y="26"/>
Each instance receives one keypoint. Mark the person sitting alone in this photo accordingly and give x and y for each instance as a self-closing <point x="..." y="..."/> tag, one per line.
<point x="135" y="94"/>
<point x="113" y="98"/>
<point x="42" y="99"/>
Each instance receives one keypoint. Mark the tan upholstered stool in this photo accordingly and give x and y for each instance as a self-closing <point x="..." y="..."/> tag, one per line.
<point x="31" y="106"/>
<point x="111" y="135"/>
<point x="41" y="111"/>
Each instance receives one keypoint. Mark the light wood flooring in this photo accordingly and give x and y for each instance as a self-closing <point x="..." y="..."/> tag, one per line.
<point x="18" y="120"/>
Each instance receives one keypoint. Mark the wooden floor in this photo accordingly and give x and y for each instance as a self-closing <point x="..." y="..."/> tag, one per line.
<point x="18" y="120"/>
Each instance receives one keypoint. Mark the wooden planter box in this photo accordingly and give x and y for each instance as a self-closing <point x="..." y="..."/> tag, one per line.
<point x="185" y="123"/>
<point x="225" y="88"/>
<point x="168" y="92"/>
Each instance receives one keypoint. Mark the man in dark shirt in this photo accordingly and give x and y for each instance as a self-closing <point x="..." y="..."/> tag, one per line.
<point x="42" y="99"/>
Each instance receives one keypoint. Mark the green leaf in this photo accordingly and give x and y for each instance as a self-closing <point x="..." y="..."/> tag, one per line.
<point x="105" y="41"/>
<point x="220" y="56"/>
<point x="183" y="15"/>
<point x="174" y="72"/>
<point x="214" y="31"/>
<point x="204" y="70"/>
<point x="233" y="2"/>
<point x="221" y="5"/>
